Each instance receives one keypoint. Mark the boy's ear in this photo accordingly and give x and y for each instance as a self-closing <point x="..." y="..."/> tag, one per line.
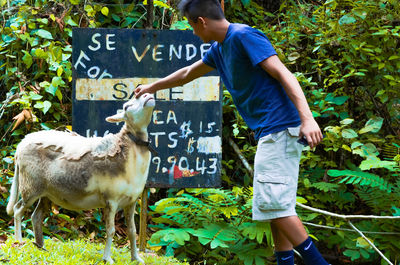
<point x="202" y="20"/>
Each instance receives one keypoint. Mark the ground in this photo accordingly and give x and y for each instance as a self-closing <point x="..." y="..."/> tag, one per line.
<point x="71" y="253"/>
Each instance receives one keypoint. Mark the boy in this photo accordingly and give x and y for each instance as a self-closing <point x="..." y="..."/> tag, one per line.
<point x="272" y="103"/>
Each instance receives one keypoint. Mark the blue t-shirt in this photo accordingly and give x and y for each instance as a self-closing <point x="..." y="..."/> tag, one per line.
<point x="259" y="98"/>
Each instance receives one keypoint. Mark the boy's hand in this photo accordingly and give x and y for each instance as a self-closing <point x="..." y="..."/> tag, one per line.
<point x="311" y="131"/>
<point x="142" y="89"/>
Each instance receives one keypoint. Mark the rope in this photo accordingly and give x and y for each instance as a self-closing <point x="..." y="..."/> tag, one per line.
<point x="347" y="217"/>
<point x="349" y="230"/>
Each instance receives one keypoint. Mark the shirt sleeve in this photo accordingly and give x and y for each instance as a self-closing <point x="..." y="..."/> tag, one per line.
<point x="256" y="45"/>
<point x="208" y="58"/>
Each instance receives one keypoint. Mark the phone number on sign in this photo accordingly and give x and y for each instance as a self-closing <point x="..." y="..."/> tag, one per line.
<point x="181" y="168"/>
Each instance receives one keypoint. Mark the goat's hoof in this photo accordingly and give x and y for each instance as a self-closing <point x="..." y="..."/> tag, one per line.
<point x="139" y="259"/>
<point x="41" y="247"/>
<point x="108" y="260"/>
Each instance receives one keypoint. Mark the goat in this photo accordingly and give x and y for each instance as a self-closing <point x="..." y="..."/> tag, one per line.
<point x="80" y="173"/>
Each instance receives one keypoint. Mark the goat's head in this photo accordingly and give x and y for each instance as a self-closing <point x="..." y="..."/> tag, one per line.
<point x="136" y="112"/>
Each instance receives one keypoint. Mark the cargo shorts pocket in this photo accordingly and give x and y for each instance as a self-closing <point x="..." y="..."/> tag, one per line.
<point x="293" y="148"/>
<point x="272" y="193"/>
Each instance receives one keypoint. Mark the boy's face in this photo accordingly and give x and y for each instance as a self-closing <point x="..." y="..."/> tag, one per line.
<point x="200" y="29"/>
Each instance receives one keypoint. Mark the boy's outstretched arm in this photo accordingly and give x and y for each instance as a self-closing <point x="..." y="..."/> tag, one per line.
<point x="178" y="78"/>
<point x="309" y="127"/>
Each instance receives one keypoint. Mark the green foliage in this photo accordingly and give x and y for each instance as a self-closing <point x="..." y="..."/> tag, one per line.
<point x="71" y="252"/>
<point x="345" y="56"/>
<point x="361" y="178"/>
<point x="212" y="225"/>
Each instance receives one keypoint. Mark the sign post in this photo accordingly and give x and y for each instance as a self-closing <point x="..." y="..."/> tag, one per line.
<point x="186" y="126"/>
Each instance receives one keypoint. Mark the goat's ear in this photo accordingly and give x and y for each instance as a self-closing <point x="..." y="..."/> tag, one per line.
<point x="119" y="117"/>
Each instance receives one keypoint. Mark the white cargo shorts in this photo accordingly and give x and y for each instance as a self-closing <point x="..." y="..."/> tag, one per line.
<point x="276" y="171"/>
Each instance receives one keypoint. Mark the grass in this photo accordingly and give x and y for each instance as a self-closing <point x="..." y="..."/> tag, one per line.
<point x="71" y="253"/>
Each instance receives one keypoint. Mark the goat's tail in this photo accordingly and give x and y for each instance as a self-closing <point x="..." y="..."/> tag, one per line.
<point x="13" y="191"/>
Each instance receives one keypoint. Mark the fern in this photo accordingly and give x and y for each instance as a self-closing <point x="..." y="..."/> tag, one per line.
<point x="251" y="253"/>
<point x="257" y="230"/>
<point x="214" y="222"/>
<point x="361" y="178"/>
<point x="375" y="199"/>
<point x="325" y="186"/>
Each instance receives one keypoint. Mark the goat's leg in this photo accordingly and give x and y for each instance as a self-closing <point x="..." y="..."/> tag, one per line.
<point x="130" y="220"/>
<point x="19" y="209"/>
<point x="109" y="216"/>
<point x="37" y="220"/>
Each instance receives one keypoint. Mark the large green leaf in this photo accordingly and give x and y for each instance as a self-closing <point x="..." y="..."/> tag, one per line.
<point x="27" y="59"/>
<point x="347" y="19"/>
<point x="256" y="230"/>
<point x="218" y="235"/>
<point x="43" y="34"/>
<point x="246" y="3"/>
<point x="373" y="125"/>
<point x="339" y="100"/>
<point x="349" y="133"/>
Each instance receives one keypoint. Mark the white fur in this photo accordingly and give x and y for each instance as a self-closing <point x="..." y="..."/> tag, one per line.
<point x="104" y="189"/>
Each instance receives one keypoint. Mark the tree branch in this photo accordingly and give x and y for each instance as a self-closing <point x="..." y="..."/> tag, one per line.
<point x="241" y="157"/>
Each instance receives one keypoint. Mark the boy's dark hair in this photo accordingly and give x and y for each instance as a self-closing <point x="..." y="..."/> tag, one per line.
<point x="193" y="9"/>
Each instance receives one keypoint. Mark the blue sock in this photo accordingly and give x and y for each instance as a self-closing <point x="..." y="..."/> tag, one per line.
<point x="285" y="257"/>
<point x="310" y="253"/>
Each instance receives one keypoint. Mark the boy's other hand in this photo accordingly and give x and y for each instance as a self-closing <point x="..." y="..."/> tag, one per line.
<point x="142" y="89"/>
<point x="312" y="132"/>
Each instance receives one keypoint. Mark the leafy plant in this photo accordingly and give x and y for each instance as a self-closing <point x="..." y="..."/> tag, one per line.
<point x="212" y="225"/>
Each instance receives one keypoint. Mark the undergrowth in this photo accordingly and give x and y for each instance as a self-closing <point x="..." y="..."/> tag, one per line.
<point x="71" y="253"/>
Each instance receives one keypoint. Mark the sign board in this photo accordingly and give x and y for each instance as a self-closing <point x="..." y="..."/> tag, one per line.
<point x="186" y="125"/>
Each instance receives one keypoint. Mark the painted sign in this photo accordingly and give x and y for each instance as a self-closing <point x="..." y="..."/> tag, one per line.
<point x="186" y="125"/>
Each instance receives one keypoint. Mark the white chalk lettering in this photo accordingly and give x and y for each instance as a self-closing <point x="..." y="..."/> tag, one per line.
<point x="155" y="117"/>
<point x="109" y="42"/>
<point x="94" y="36"/>
<point x="140" y="58"/>
<point x="190" y="148"/>
<point x="105" y="74"/>
<point x="185" y="129"/>
<point x="210" y="127"/>
<point x="181" y="161"/>
<point x="178" y="53"/>
<point x="202" y="168"/>
<point x="171" y="116"/>
<point x="155" y="52"/>
<point x="174" y="141"/>
<point x="191" y="52"/>
<point x="96" y="70"/>
<point x="79" y="61"/>
<point x="213" y="166"/>
<point x="172" y="160"/>
<point x="156" y="134"/>
<point x="157" y="160"/>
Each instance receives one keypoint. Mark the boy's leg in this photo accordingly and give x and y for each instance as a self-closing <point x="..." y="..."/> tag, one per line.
<point x="274" y="188"/>
<point x="292" y="229"/>
<point x="280" y="240"/>
<point x="283" y="247"/>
